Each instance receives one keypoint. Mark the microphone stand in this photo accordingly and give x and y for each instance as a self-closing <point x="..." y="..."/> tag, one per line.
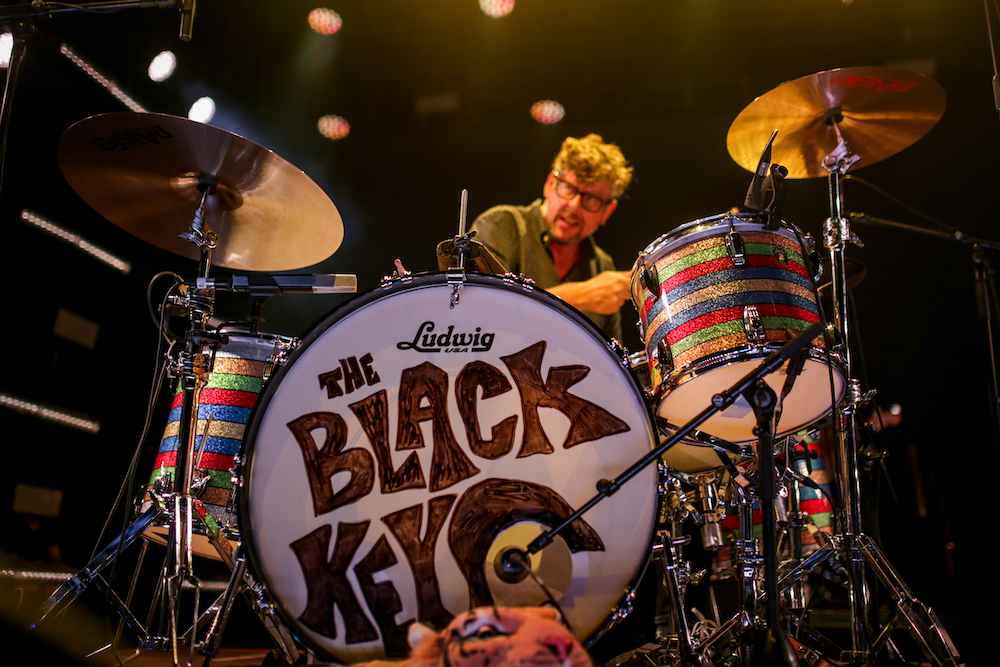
<point x="985" y="288"/>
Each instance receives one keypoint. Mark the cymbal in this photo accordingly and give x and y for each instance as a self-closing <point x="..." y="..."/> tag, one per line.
<point x="879" y="110"/>
<point x="142" y="173"/>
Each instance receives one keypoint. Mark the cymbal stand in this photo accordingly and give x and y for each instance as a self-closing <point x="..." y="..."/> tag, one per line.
<point x="179" y="509"/>
<point x="856" y="549"/>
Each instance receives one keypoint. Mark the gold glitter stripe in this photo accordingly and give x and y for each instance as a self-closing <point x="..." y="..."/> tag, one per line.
<point x="219" y="429"/>
<point x="237" y="366"/>
<point x="721" y="344"/>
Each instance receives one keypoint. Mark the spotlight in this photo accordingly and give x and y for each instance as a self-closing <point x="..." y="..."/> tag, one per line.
<point x="496" y="8"/>
<point x="333" y="127"/>
<point x="202" y="110"/>
<point x="547" y="112"/>
<point x="162" y="66"/>
<point x="325" y="21"/>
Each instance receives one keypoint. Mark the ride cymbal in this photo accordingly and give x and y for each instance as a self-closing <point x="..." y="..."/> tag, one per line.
<point x="879" y="111"/>
<point x="146" y="172"/>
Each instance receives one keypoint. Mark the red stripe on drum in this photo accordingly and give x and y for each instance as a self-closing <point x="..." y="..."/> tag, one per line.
<point x="233" y="397"/>
<point x="209" y="461"/>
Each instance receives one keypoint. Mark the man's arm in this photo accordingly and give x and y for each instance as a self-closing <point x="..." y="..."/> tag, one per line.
<point x="605" y="293"/>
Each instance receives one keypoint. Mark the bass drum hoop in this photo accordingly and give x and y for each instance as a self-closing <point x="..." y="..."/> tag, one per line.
<point x="357" y="304"/>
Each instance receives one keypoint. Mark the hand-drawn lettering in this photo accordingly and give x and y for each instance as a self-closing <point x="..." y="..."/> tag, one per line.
<point x="587" y="420"/>
<point x="489" y="507"/>
<point x="324" y="462"/>
<point x="326" y="583"/>
<point x="449" y="464"/>
<point x="382" y="598"/>
<point x="405" y="525"/>
<point x="354" y="373"/>
<point x="331" y="382"/>
<point x="373" y="413"/>
<point x="371" y="376"/>
<point x="494" y="383"/>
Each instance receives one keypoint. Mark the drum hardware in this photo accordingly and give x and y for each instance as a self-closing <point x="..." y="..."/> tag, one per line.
<point x="827" y="119"/>
<point x="750" y="383"/>
<point x="215" y="197"/>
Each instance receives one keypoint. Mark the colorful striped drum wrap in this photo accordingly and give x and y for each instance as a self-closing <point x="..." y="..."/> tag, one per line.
<point x="812" y="502"/>
<point x="224" y="407"/>
<point x="699" y="310"/>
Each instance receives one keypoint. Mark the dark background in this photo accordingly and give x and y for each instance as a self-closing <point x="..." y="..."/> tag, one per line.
<point x="664" y="80"/>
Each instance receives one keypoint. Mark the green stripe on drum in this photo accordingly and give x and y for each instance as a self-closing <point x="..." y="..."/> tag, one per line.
<point x="674" y="263"/>
<point x="232" y="381"/>
<point x="222" y="479"/>
<point x="769" y="322"/>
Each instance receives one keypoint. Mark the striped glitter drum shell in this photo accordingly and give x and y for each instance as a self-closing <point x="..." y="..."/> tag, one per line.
<point x="716" y="296"/>
<point x="237" y="373"/>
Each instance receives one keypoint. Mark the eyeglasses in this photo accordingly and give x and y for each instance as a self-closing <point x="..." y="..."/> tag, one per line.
<point x="568" y="191"/>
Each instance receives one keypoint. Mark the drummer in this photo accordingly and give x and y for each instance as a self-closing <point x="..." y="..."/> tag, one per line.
<point x="550" y="240"/>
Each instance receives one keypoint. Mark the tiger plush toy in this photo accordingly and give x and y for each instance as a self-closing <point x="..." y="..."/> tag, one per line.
<point x="495" y="637"/>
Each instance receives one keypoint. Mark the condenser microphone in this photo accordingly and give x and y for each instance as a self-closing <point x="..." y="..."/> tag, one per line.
<point x="753" y="198"/>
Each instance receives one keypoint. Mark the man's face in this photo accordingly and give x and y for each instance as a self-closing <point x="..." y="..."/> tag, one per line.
<point x="568" y="221"/>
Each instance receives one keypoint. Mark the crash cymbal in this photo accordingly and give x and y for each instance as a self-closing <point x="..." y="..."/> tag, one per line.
<point x="879" y="110"/>
<point x="142" y="172"/>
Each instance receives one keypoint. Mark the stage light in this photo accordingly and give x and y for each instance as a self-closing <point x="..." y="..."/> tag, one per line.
<point x="162" y="66"/>
<point x="102" y="80"/>
<point x="496" y="8"/>
<point x="547" y="112"/>
<point x="325" y="21"/>
<point x="50" y="413"/>
<point x="6" y="46"/>
<point x="333" y="127"/>
<point x="76" y="240"/>
<point x="202" y="110"/>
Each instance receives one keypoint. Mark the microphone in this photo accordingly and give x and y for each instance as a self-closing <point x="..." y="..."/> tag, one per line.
<point x="187" y="19"/>
<point x="282" y="284"/>
<point x="754" y="191"/>
<point x="511" y="565"/>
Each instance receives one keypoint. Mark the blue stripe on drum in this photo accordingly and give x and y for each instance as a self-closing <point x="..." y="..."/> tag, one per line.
<point x="739" y="299"/>
<point x="733" y="275"/>
<point x="214" y="444"/>
<point x="219" y="413"/>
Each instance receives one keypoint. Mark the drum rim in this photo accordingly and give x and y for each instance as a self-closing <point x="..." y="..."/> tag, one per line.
<point x="705" y="365"/>
<point x="655" y="250"/>
<point x="327" y="321"/>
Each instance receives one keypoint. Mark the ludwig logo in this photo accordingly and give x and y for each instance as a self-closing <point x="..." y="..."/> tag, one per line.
<point x="427" y="340"/>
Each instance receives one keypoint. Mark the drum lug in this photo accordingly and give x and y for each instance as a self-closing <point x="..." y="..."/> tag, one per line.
<point x="650" y="281"/>
<point x="736" y="248"/>
<point x="625" y="608"/>
<point x="456" y="279"/>
<point x="752" y="325"/>
<point x="663" y="356"/>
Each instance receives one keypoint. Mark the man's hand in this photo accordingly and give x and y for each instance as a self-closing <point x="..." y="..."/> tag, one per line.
<point x="604" y="293"/>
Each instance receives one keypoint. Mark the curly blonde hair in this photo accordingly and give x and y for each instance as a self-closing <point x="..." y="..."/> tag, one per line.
<point x="590" y="159"/>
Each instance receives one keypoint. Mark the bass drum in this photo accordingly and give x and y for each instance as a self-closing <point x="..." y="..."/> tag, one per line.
<point x="411" y="441"/>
